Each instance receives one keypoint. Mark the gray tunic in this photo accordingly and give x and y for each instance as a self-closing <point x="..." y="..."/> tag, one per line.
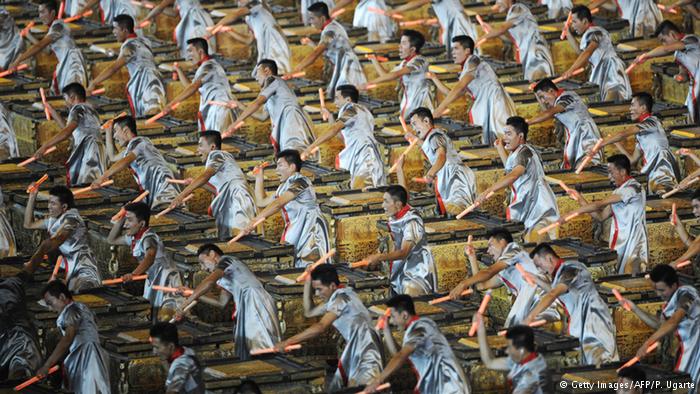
<point x="78" y="260"/>
<point x="71" y="65"/>
<point x="194" y="20"/>
<point x="8" y="139"/>
<point x="416" y="89"/>
<point x="215" y="87"/>
<point x="643" y="16"/>
<point x="658" y="162"/>
<point x="163" y="271"/>
<point x="362" y="358"/>
<point x="453" y="22"/>
<point x="19" y="347"/>
<point x="531" y="199"/>
<point x="689" y="59"/>
<point x="255" y="313"/>
<point x="304" y="225"/>
<point x="532" y="50"/>
<point x="233" y="206"/>
<point x="269" y="37"/>
<point x="145" y="90"/>
<point x="608" y="71"/>
<point x="152" y="172"/>
<point x="628" y="229"/>
<point x="382" y="25"/>
<point x="73" y="6"/>
<point x="417" y="272"/>
<point x="557" y="9"/>
<point x="688" y="331"/>
<point x="529" y="376"/>
<point x="455" y="183"/>
<point x="11" y="43"/>
<point x="581" y="131"/>
<point x="305" y="4"/>
<point x="87" y="160"/>
<point x="185" y="374"/>
<point x="491" y="104"/>
<point x="361" y="154"/>
<point x="589" y="317"/>
<point x="8" y="246"/>
<point x="85" y="366"/>
<point x="111" y="8"/>
<point x="433" y="361"/>
<point x="346" y="67"/>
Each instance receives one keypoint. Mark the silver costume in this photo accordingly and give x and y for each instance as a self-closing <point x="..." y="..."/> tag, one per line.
<point x="305" y="4"/>
<point x="628" y="229"/>
<point x="642" y="15"/>
<point x="455" y="183"/>
<point x="71" y="65"/>
<point x="687" y="332"/>
<point x="194" y="20"/>
<point x="689" y="59"/>
<point x="588" y="314"/>
<point x="416" y="88"/>
<point x="152" y="172"/>
<point x="341" y="58"/>
<point x="73" y="6"/>
<point x="362" y="358"/>
<point x="529" y="375"/>
<point x="557" y="9"/>
<point x="215" y="87"/>
<point x="607" y="70"/>
<point x="382" y="25"/>
<point x="580" y="129"/>
<point x="111" y="8"/>
<point x="658" y="162"/>
<point x="270" y="40"/>
<point x="85" y="366"/>
<point x="361" y="154"/>
<point x="453" y="22"/>
<point x="233" y="206"/>
<point x="87" y="160"/>
<point x="433" y="361"/>
<point x="79" y="262"/>
<point x="11" y="43"/>
<point x="531" y="199"/>
<point x="304" y="225"/>
<point x="19" y="348"/>
<point x="491" y="104"/>
<point x="145" y="90"/>
<point x="257" y="326"/>
<point x="8" y="246"/>
<point x="8" y="139"/>
<point x="416" y="274"/>
<point x="531" y="49"/>
<point x="184" y="373"/>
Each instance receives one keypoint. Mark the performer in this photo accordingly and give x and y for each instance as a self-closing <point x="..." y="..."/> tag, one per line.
<point x="567" y="107"/>
<point x="146" y="246"/>
<point x="425" y="347"/>
<point x="633" y="378"/>
<point x="233" y="205"/>
<point x="306" y="13"/>
<point x="145" y="90"/>
<point x="194" y="21"/>
<point x="416" y="89"/>
<point x="291" y="127"/>
<point x="531" y="49"/>
<point x="304" y="225"/>
<point x="184" y="368"/>
<point x="652" y="148"/>
<point x="109" y="9"/>
<point x="532" y="201"/>
<point x="680" y="227"/>
<point x="8" y="139"/>
<point x="491" y="104"/>
<point x="380" y="27"/>
<point x="627" y="207"/>
<point x="642" y="15"/>
<point x="342" y="66"/>
<point x="411" y="264"/>
<point x="11" y="42"/>
<point x="589" y="317"/>
<point x="71" y="67"/>
<point x="596" y="48"/>
<point x="68" y="235"/>
<point x="8" y="246"/>
<point x="85" y="369"/>
<point x="211" y="82"/>
<point x="454" y="182"/>
<point x="361" y="154"/>
<point x="144" y="160"/>
<point x="362" y="358"/>
<point x="527" y="369"/>
<point x="558" y="9"/>
<point x="256" y="325"/>
<point x="505" y="254"/>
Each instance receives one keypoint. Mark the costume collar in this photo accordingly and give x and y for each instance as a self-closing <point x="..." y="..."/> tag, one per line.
<point x="410" y="321"/>
<point x="328" y="22"/>
<point x="131" y="35"/>
<point x="204" y="59"/>
<point x="529" y="358"/>
<point x="408" y="59"/>
<point x="177" y="353"/>
<point x="644" y="117"/>
<point x="556" y="267"/>
<point x="402" y="212"/>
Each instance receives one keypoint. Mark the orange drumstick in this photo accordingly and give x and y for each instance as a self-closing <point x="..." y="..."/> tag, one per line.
<point x="61" y="9"/>
<point x="682" y="264"/>
<point x="35" y="379"/>
<point x="273" y="350"/>
<point x="403" y="124"/>
<point x="376" y="57"/>
<point x="447" y="298"/>
<point x="76" y="17"/>
<point x="677" y="189"/>
<point x="294" y="75"/>
<point x="565" y="29"/>
<point x="674" y="214"/>
<point x="32" y="159"/>
<point x="576" y="72"/>
<point x="526" y="275"/>
<point x="403" y="154"/>
<point x="622" y="301"/>
<point x="13" y="70"/>
<point x="381" y="387"/>
<point x="381" y="323"/>
<point x="484" y="25"/>
<point x="166" y="289"/>
<point x="260" y="167"/>
<point x="474" y="206"/>
<point x="160" y="114"/>
<point x="117" y="281"/>
<point x="338" y="13"/>
<point x="480" y="312"/>
<point x="242" y="234"/>
<point x="318" y="262"/>
<point x="233" y="128"/>
<point x="419" y="22"/>
<point x="59" y="262"/>
<point x="97" y="91"/>
<point x="556" y="224"/>
<point x="359" y="264"/>
<point x="43" y="101"/>
<point x="635" y="359"/>
<point x="122" y="211"/>
<point x="222" y="104"/>
<point x="88" y="188"/>
<point x="109" y="123"/>
<point x="534" y="324"/>
<point x="27" y="28"/>
<point x="588" y="158"/>
<point x="668" y="9"/>
<point x="38" y="183"/>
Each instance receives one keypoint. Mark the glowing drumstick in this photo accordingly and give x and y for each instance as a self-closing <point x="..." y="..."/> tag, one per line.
<point x="668" y="9"/>
<point x="403" y="154"/>
<point x="526" y="275"/>
<point x="305" y="41"/>
<point x="270" y="350"/>
<point x="683" y="264"/>
<point x="480" y="312"/>
<point x="117" y="281"/>
<point x="674" y="214"/>
<point x="61" y="9"/>
<point x="144" y="23"/>
<point x="537" y="323"/>
<point x="122" y="211"/>
<point x="421" y="180"/>
<point x="677" y="189"/>
<point x="109" y="123"/>
<point x="38" y="183"/>
<point x="378" y="58"/>
<point x="167" y="210"/>
<point x="376" y="10"/>
<point x="177" y="181"/>
<point x="232" y="129"/>
<point x="13" y="70"/>
<point x="313" y="150"/>
<point x="635" y="359"/>
<point x="35" y="379"/>
<point x="565" y="29"/>
<point x="359" y="264"/>
<point x="97" y="91"/>
<point x="260" y="167"/>
<point x="447" y="298"/>
<point x="27" y="28"/>
<point x="595" y="10"/>
<point x="166" y="289"/>
<point x="419" y="22"/>
<point x="33" y="159"/>
<point x="76" y="17"/>
<point x="621" y="300"/>
<point x="557" y="224"/>
<point x="338" y="13"/>
<point x="88" y="188"/>
<point x="322" y="99"/>
<point x="381" y="387"/>
<point x="381" y="323"/>
<point x="223" y="103"/>
<point x="242" y="234"/>
<point x="160" y="114"/>
<point x="318" y="262"/>
<point x="46" y="104"/>
<point x="59" y="262"/>
<point x="403" y="125"/>
<point x="576" y="72"/>
<point x="588" y="158"/>
<point x="474" y="206"/>
<point x="187" y="309"/>
<point x="294" y="75"/>
<point x="484" y="25"/>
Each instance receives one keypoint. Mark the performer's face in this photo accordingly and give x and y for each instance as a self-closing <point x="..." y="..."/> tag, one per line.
<point x="616" y="175"/>
<point x="119" y="33"/>
<point x="121" y="135"/>
<point x="56" y="304"/>
<point x="316" y="20"/>
<point x="511" y="138"/>
<point x="399" y="319"/>
<point x="56" y="209"/>
<point x="546" y="98"/>
<point x="132" y="224"/>
<point x="204" y="147"/>
<point x="46" y="15"/>
<point x="495" y="247"/>
<point x="261" y="74"/>
<point x="208" y="260"/>
<point x="323" y="291"/>
<point x="390" y="205"/>
<point x="243" y="3"/>
<point x="545" y="263"/>
<point x="514" y="353"/>
<point x="193" y="54"/>
<point x="339" y="100"/>
<point x="665" y="291"/>
<point x="579" y="25"/>
<point x="636" y="109"/>
<point x="669" y="38"/>
<point x="695" y="203"/>
<point x="405" y="48"/>
<point x="459" y="53"/>
<point x="422" y="126"/>
<point x="162" y="349"/>
<point x="284" y="169"/>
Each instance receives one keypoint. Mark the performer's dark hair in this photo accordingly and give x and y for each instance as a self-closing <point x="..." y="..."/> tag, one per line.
<point x="291" y="156"/>
<point x="212" y="137"/>
<point x="543" y="249"/>
<point x="141" y="210"/>
<point x="545" y="84"/>
<point x="644" y="99"/>
<point x="269" y="64"/>
<point x="500" y="234"/>
<point x="415" y="38"/>
<point x="696" y="195"/>
<point x="165" y="332"/>
<point x="402" y="303"/>
<point x="582" y="12"/>
<point x="56" y="288"/>
<point x="64" y="194"/>
<point x="248" y="387"/>
<point x="349" y="91"/>
<point x="523" y="337"/>
<point x="465" y="41"/>
<point x="319" y="9"/>
<point x="622" y="162"/>
<point x="398" y="192"/>
<point x="633" y="373"/>
<point x="664" y="273"/>
<point x="422" y="113"/>
<point x="127" y="121"/>
<point x="200" y="43"/>
<point x="50" y="4"/>
<point x="519" y="124"/>
<point x="326" y="274"/>
<point x="74" y="89"/>
<point x="206" y="248"/>
<point x="124" y="21"/>
<point x="666" y="27"/>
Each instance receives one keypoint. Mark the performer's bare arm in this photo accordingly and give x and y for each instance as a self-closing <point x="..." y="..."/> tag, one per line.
<point x="545" y="302"/>
<point x="200" y="181"/>
<point x="115" y="168"/>
<point x="32" y="51"/>
<point x="487" y="357"/>
<point x="29" y="222"/>
<point x="157" y="10"/>
<point x="59" y="351"/>
<point x="454" y="93"/>
<point x="106" y="73"/>
<point x="115" y="236"/>
<point x="310" y="309"/>
<point x="310" y="58"/>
